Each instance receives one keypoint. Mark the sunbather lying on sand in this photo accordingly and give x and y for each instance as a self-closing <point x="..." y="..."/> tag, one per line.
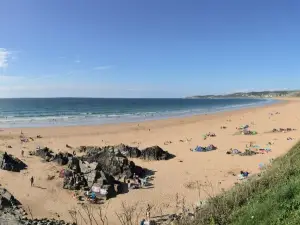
<point x="243" y="127"/>
<point x="209" y="134"/>
<point x="243" y="175"/>
<point x="233" y="152"/>
<point x="249" y="132"/>
<point x="204" y="149"/>
<point x="283" y="130"/>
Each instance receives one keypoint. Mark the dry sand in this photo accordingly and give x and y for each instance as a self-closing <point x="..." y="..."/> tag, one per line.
<point x="171" y="177"/>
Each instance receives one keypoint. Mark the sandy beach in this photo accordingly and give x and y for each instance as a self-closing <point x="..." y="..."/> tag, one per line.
<point x="172" y="177"/>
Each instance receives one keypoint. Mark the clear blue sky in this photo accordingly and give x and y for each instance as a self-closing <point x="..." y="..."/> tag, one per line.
<point x="147" y="48"/>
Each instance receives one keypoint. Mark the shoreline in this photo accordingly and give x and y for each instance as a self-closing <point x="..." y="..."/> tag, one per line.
<point x="155" y="120"/>
<point x="172" y="176"/>
<point x="80" y="120"/>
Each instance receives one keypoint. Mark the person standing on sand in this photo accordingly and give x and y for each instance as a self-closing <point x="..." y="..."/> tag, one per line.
<point x="148" y="213"/>
<point x="142" y="222"/>
<point x="22" y="153"/>
<point x="31" y="181"/>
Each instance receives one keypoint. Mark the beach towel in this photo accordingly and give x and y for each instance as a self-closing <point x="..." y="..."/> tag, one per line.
<point x="236" y="151"/>
<point x="210" y="148"/>
<point x="199" y="149"/>
<point x="245" y="174"/>
<point x="241" y="177"/>
<point x="103" y="191"/>
<point x="204" y="149"/>
<point x="96" y="189"/>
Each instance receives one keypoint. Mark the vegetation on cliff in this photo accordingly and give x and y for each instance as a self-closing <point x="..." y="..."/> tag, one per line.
<point x="272" y="197"/>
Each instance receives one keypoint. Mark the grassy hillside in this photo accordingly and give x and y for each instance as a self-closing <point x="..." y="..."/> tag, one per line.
<point x="254" y="94"/>
<point x="273" y="197"/>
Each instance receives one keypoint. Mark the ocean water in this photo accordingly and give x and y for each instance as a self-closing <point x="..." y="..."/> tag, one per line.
<point x="90" y="111"/>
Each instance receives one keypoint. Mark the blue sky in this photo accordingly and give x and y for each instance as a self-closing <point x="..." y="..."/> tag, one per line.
<point x="140" y="48"/>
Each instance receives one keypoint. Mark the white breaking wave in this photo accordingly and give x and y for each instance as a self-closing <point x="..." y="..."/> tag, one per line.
<point x="87" y="118"/>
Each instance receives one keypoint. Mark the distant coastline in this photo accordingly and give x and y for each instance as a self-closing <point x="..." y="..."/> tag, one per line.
<point x="252" y="94"/>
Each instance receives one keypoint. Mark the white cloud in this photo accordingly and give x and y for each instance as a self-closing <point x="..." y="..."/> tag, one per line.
<point x="102" y="67"/>
<point x="4" y="56"/>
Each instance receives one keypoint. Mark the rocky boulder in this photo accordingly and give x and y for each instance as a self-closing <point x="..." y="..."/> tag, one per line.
<point x="154" y="153"/>
<point x="11" y="163"/>
<point x="62" y="158"/>
<point x="74" y="181"/>
<point x="89" y="172"/>
<point x="130" y="152"/>
<point x="150" y="153"/>
<point x="48" y="155"/>
<point x="74" y="164"/>
<point x="44" y="153"/>
<point x="110" y="160"/>
<point x="11" y="212"/>
<point x="7" y="200"/>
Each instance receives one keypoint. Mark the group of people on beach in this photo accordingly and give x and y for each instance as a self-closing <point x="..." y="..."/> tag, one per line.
<point x="282" y="130"/>
<point x="137" y="183"/>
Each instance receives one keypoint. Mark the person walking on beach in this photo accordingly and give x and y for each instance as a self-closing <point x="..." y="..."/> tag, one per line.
<point x="22" y="153"/>
<point x="148" y="209"/>
<point x="31" y="181"/>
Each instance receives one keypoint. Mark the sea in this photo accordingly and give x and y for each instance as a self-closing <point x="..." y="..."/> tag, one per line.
<point x="40" y="112"/>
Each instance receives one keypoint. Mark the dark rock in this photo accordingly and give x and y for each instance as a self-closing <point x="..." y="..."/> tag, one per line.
<point x="110" y="161"/>
<point x="75" y="181"/>
<point x="62" y="158"/>
<point x="74" y="164"/>
<point x="47" y="154"/>
<point x="44" y="153"/>
<point x="150" y="153"/>
<point x="89" y="171"/>
<point x="7" y="200"/>
<point x="11" y="163"/>
<point x="131" y="152"/>
<point x="154" y="153"/>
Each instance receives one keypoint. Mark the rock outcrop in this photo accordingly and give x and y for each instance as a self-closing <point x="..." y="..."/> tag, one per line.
<point x="130" y="152"/>
<point x="106" y="169"/>
<point x="150" y="153"/>
<point x="111" y="161"/>
<point x="12" y="213"/>
<point x="154" y="153"/>
<point x="48" y="155"/>
<point x="11" y="163"/>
